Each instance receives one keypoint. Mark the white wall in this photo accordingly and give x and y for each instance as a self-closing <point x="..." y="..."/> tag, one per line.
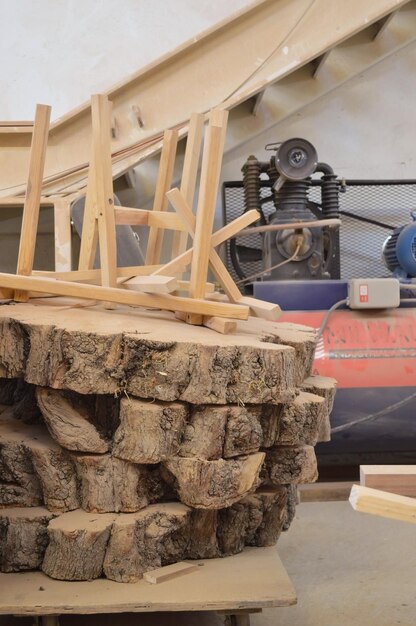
<point x="58" y="52"/>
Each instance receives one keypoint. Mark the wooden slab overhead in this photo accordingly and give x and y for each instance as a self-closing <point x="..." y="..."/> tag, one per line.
<point x="181" y="362"/>
<point x="306" y="31"/>
<point x="400" y="479"/>
<point x="262" y="582"/>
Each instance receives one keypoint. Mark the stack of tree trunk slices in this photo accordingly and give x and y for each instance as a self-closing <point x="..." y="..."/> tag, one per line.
<point x="129" y="440"/>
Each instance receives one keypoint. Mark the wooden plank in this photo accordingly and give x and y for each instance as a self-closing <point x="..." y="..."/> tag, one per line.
<point x="325" y="491"/>
<point x="17" y="123"/>
<point x="143" y="217"/>
<point x="220" y="325"/>
<point x="102" y="188"/>
<point x="152" y="284"/>
<point x="89" y="235"/>
<point x="255" y="578"/>
<point x="382" y="503"/>
<point x="122" y="296"/>
<point x="207" y="199"/>
<point x="62" y="236"/>
<point x="400" y="479"/>
<point x="259" y="308"/>
<point x="189" y="174"/>
<point x="163" y="184"/>
<point x="168" y="572"/>
<point x="33" y="194"/>
<point x="95" y="275"/>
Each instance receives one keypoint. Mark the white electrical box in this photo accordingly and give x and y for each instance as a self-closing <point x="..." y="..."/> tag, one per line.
<point x="373" y="293"/>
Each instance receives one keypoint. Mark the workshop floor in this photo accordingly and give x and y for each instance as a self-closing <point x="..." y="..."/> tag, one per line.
<point x="347" y="568"/>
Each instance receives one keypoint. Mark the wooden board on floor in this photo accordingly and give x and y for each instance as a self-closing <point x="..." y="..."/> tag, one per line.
<point x="325" y="491"/>
<point x="255" y="578"/>
<point x="399" y="479"/>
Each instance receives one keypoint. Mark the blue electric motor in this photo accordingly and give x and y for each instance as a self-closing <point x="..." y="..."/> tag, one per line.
<point x="399" y="251"/>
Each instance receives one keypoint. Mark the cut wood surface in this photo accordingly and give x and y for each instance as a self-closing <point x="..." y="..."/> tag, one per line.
<point x="168" y="572"/>
<point x="400" y="479"/>
<point x="383" y="503"/>
<point x="262" y="582"/>
<point x="150" y="355"/>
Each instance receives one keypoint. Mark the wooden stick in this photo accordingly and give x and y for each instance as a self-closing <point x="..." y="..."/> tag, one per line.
<point x="382" y="503"/>
<point x="95" y="275"/>
<point x="164" y="181"/>
<point x="220" y="325"/>
<point x="217" y="239"/>
<point x="89" y="234"/>
<point x="143" y="217"/>
<point x="189" y="174"/>
<point x="169" y="571"/>
<point x="152" y="284"/>
<point x="400" y="479"/>
<point x="62" y="237"/>
<point x="103" y="188"/>
<point x="33" y="194"/>
<point x="122" y="296"/>
<point x="210" y="174"/>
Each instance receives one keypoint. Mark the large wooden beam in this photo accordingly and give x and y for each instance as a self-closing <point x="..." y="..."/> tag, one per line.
<point x="400" y="479"/>
<point x="144" y="106"/>
<point x="382" y="503"/>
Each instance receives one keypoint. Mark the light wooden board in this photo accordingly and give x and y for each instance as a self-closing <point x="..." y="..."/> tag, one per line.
<point x="399" y="479"/>
<point x="31" y="206"/>
<point x="325" y="491"/>
<point x="255" y="578"/>
<point x="382" y="503"/>
<point x="163" y="574"/>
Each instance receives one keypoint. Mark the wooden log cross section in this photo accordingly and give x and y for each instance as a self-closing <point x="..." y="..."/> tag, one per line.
<point x="152" y="285"/>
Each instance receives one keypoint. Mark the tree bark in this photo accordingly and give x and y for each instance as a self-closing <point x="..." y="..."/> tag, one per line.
<point x="165" y="360"/>
<point x="108" y="484"/>
<point x="77" y="545"/>
<point x="286" y="465"/>
<point x="70" y="426"/>
<point x="149" y="432"/>
<point x="215" y="484"/>
<point x="23" y="538"/>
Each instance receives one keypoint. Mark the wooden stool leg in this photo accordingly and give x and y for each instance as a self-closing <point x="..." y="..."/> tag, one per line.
<point x="50" y="620"/>
<point x="33" y="194"/>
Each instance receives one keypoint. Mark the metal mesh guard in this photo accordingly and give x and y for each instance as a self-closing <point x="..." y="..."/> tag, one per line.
<point x="387" y="201"/>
